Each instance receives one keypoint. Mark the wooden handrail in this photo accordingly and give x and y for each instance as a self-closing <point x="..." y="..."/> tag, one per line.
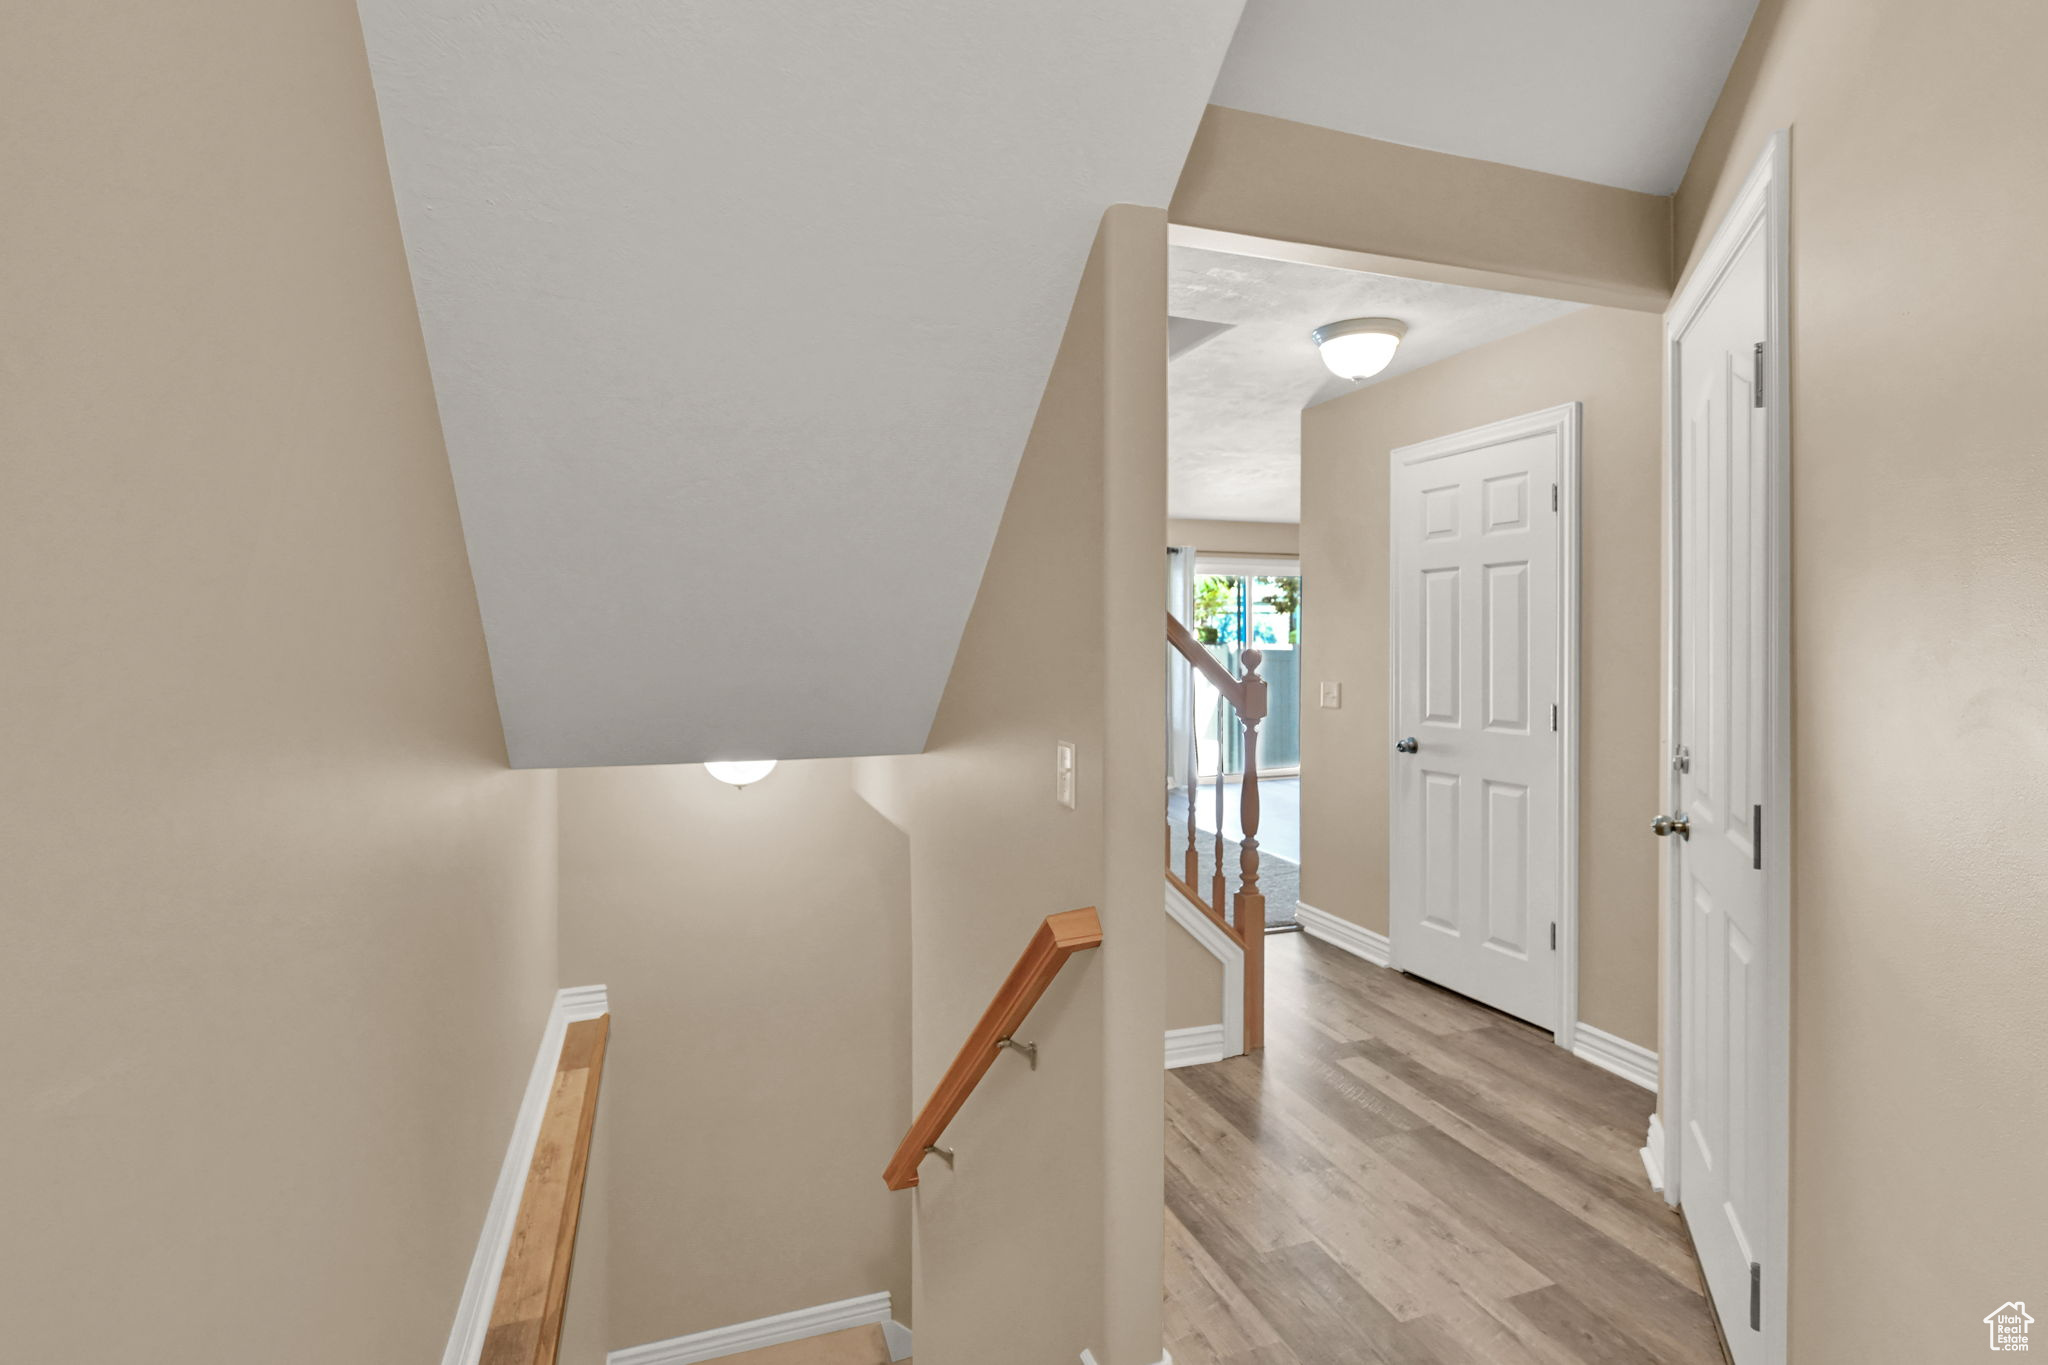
<point x="526" y="1318"/>
<point x="1246" y="925"/>
<point x="1183" y="639"/>
<point x="1057" y="939"/>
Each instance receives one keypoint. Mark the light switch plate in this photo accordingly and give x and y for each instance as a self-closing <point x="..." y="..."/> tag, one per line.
<point x="1332" y="696"/>
<point x="1063" y="773"/>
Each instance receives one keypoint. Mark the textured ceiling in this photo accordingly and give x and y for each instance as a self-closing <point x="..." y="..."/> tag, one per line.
<point x="1237" y="394"/>
<point x="739" y="312"/>
<point x="1612" y="91"/>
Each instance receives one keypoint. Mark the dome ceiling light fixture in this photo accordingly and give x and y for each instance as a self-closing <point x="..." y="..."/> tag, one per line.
<point x="1359" y="348"/>
<point x="740" y="773"/>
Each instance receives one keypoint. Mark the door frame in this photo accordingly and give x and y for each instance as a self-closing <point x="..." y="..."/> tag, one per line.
<point x="1567" y="421"/>
<point x="1761" y="207"/>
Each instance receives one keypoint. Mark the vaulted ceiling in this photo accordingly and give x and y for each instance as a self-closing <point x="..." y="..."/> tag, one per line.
<point x="1612" y="91"/>
<point x="739" y="312"/>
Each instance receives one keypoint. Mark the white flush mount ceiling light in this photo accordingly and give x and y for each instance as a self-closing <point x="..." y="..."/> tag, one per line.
<point x="1359" y="348"/>
<point x="740" y="774"/>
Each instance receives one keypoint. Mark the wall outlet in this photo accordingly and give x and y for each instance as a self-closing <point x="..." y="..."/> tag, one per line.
<point x="1333" y="696"/>
<point x="1063" y="773"/>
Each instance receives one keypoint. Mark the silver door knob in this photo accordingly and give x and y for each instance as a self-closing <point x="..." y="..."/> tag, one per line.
<point x="1406" y="746"/>
<point x="1672" y="824"/>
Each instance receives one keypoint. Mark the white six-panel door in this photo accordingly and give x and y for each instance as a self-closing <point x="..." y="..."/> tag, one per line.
<point x="1478" y="831"/>
<point x="1723" y="783"/>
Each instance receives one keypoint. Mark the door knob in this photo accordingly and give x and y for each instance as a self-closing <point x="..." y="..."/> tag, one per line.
<point x="1672" y="824"/>
<point x="1407" y="746"/>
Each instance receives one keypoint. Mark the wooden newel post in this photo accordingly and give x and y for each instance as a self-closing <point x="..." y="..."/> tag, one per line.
<point x="1250" y="905"/>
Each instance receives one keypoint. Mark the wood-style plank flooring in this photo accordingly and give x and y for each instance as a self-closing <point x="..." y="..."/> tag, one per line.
<point x="1404" y="1177"/>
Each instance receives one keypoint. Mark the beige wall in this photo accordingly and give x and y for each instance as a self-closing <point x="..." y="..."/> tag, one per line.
<point x="1425" y="213"/>
<point x="280" y="922"/>
<point x="1133" y="252"/>
<point x="1920" y="620"/>
<point x="1047" y="1238"/>
<point x="1194" y="982"/>
<point x="1236" y="537"/>
<point x="1608" y="360"/>
<point x="756" y="942"/>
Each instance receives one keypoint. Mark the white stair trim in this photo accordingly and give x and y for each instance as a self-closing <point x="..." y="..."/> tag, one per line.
<point x="795" y="1325"/>
<point x="1195" y="1046"/>
<point x="480" y="1290"/>
<point x="1630" y="1061"/>
<point x="1210" y="935"/>
<point x="1653" y="1153"/>
<point x="1355" y="939"/>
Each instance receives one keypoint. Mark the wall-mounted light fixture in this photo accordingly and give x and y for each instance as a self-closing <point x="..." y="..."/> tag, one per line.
<point x="1359" y="348"/>
<point x="741" y="773"/>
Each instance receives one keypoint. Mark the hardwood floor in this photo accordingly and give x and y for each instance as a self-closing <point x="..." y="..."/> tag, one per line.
<point x="1405" y="1177"/>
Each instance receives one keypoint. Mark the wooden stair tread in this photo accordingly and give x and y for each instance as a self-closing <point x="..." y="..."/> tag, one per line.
<point x="853" y="1346"/>
<point x="526" y="1319"/>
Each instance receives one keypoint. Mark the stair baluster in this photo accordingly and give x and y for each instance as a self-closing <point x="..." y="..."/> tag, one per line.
<point x="1244" y="919"/>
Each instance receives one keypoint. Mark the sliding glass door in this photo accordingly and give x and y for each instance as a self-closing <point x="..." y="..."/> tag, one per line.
<point x="1260" y="609"/>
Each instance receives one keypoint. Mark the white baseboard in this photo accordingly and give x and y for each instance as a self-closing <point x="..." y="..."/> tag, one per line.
<point x="773" y="1331"/>
<point x="1630" y="1061"/>
<point x="1206" y="932"/>
<point x="480" y="1290"/>
<point x="1355" y="939"/>
<point x="1653" y="1153"/>
<point x="1088" y="1358"/>
<point x="1194" y="1046"/>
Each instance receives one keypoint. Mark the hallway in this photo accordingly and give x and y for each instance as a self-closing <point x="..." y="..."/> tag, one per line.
<point x="1405" y="1177"/>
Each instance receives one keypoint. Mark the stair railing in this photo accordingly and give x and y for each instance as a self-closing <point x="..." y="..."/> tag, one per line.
<point x="533" y="1286"/>
<point x="1245" y="919"/>
<point x="1056" y="940"/>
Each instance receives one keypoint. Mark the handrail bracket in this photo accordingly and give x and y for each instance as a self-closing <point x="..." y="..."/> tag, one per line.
<point x="1030" y="1050"/>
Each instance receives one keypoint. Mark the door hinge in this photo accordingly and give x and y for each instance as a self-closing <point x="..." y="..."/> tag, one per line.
<point x="1756" y="838"/>
<point x="1553" y="497"/>
<point x="1756" y="1296"/>
<point x="1681" y="760"/>
<point x="1553" y="718"/>
<point x="1553" y="937"/>
<point x="1757" y="386"/>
